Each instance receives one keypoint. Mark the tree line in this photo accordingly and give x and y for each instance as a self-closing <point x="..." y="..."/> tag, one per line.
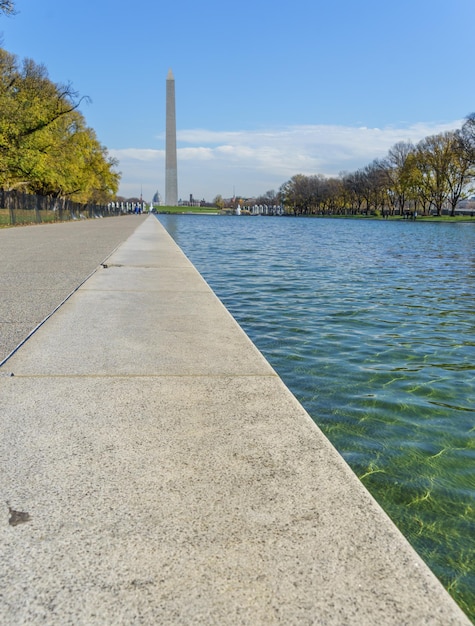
<point x="436" y="173"/>
<point x="46" y="147"/>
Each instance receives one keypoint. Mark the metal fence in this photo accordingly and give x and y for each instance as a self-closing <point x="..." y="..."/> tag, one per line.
<point x="17" y="207"/>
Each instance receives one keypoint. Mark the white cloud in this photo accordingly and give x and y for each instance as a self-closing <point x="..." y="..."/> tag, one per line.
<point x="196" y="154"/>
<point x="252" y="162"/>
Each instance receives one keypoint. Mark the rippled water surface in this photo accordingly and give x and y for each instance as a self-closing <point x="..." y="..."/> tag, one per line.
<point x="371" y="324"/>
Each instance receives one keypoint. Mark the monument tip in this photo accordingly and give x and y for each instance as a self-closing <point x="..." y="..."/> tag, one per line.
<point x="170" y="75"/>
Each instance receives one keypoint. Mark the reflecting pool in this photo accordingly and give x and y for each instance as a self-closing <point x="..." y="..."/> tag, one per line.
<point x="371" y="324"/>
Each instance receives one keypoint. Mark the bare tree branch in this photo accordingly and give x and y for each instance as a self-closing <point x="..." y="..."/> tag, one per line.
<point x="7" y="7"/>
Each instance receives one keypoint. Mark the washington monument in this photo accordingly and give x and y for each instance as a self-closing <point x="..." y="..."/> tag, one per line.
<point x="171" y="184"/>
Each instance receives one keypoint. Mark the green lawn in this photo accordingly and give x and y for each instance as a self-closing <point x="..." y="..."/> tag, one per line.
<point x="187" y="209"/>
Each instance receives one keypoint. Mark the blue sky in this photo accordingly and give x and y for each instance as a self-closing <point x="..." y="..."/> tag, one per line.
<point x="264" y="90"/>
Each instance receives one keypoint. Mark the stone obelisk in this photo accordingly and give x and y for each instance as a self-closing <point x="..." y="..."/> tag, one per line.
<point x="171" y="182"/>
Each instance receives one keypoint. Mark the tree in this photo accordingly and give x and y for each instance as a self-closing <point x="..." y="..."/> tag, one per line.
<point x="432" y="159"/>
<point x="269" y="198"/>
<point x="376" y="185"/>
<point x="29" y="103"/>
<point x="446" y="167"/>
<point x="461" y="168"/>
<point x="45" y="144"/>
<point x="7" y="7"/>
<point x="398" y="172"/>
<point x="354" y="185"/>
<point x="219" y="202"/>
<point x="331" y="196"/>
<point x="467" y="135"/>
<point x="300" y="193"/>
<point x="73" y="163"/>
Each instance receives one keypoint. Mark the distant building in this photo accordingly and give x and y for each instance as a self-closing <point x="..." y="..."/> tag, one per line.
<point x="465" y="207"/>
<point x="192" y="202"/>
<point x="157" y="199"/>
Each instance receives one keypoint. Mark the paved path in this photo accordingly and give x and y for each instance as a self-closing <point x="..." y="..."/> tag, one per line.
<point x="156" y="470"/>
<point x="41" y="265"/>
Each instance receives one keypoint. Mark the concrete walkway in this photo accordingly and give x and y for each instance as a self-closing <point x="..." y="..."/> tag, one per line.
<point x="41" y="265"/>
<point x="156" y="470"/>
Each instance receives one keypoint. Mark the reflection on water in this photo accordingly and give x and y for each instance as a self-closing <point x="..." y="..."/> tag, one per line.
<point x="371" y="325"/>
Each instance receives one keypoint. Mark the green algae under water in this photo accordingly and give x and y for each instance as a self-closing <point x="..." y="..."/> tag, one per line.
<point x="372" y="326"/>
